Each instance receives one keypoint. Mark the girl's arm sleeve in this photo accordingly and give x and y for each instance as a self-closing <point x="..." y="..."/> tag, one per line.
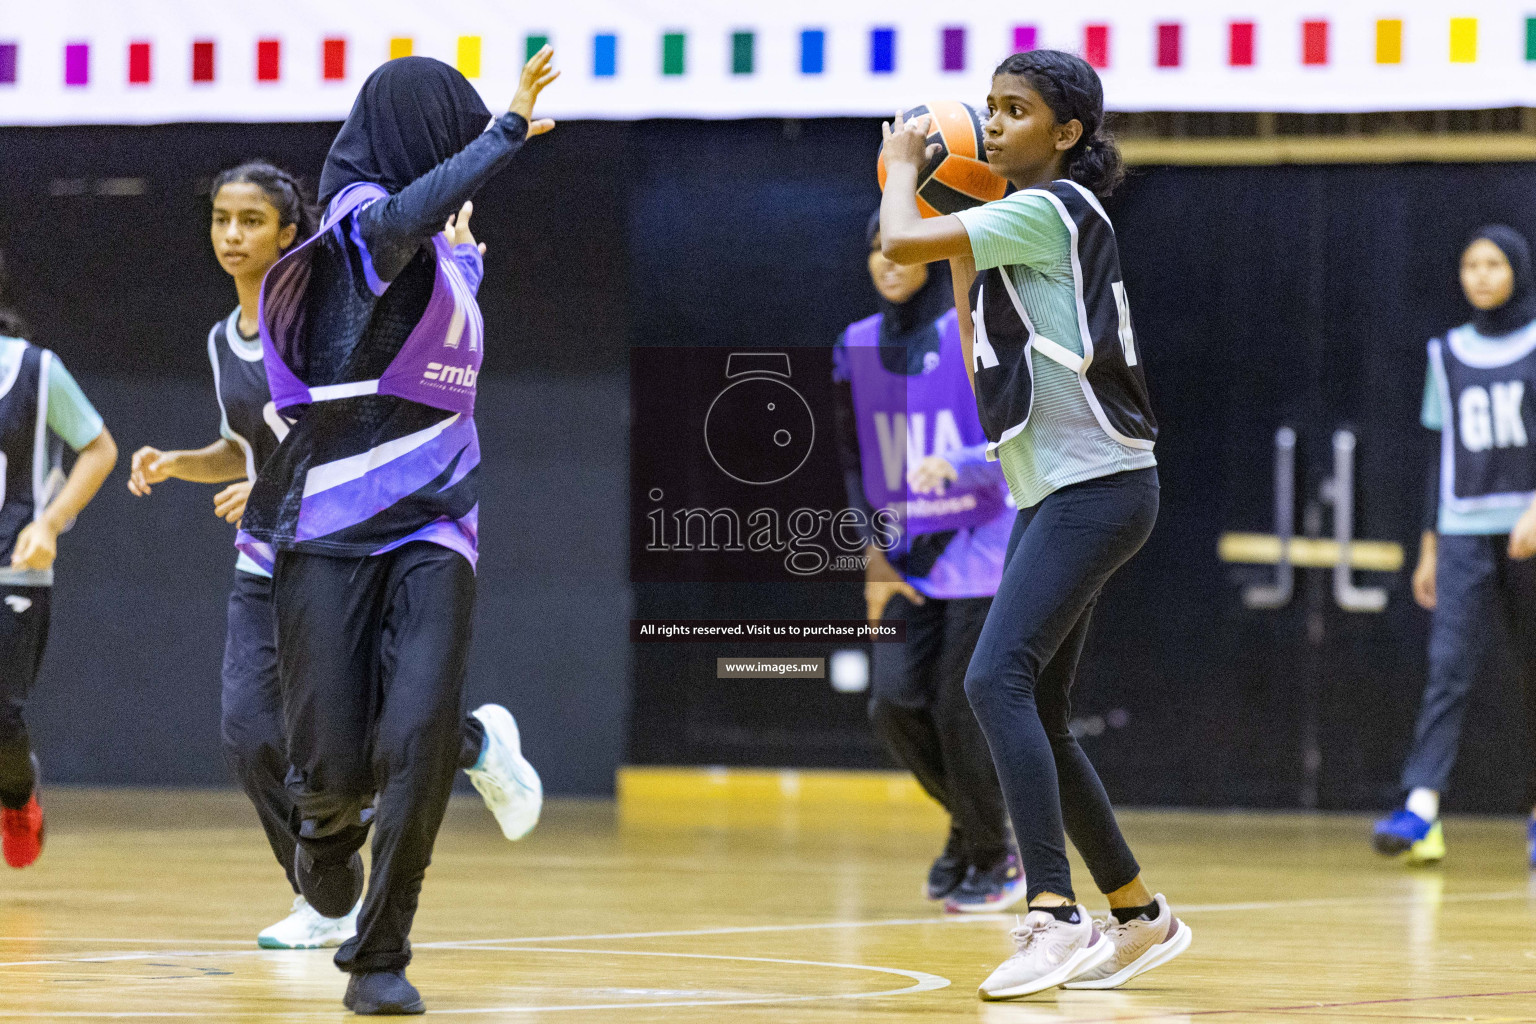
<point x="1023" y="228"/>
<point x="70" y="414"/>
<point x="394" y="228"/>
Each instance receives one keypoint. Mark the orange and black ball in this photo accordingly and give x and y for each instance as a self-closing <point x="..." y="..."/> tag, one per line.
<point x="957" y="177"/>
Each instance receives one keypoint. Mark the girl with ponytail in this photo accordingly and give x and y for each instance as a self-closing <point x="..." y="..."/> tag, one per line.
<point x="260" y="212"/>
<point x="1056" y="368"/>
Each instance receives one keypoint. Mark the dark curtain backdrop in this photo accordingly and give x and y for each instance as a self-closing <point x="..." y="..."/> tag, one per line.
<point x="1262" y="296"/>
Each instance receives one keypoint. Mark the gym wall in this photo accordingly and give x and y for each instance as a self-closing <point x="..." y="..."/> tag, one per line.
<point x="1263" y="297"/>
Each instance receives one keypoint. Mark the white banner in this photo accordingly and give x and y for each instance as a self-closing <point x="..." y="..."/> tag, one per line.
<point x="145" y="61"/>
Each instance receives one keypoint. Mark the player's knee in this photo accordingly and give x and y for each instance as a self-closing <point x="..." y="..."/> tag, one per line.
<point x="983" y="686"/>
<point x="248" y="744"/>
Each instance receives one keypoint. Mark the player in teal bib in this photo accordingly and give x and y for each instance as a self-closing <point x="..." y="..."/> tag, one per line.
<point x="1061" y="396"/>
<point x="1475" y="573"/>
<point x="41" y="409"/>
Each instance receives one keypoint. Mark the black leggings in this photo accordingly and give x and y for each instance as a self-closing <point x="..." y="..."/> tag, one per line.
<point x="1061" y="554"/>
<point x="255" y="744"/>
<point x="372" y="654"/>
<point x="23" y="637"/>
<point x="918" y="707"/>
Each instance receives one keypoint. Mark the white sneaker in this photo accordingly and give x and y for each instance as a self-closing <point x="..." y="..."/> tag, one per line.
<point x="507" y="782"/>
<point x="1139" y="947"/>
<point x="306" y="929"/>
<point x="1051" y="953"/>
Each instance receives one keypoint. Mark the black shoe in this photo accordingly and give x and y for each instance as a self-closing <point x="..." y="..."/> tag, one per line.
<point x="990" y="889"/>
<point x="331" y="889"/>
<point x="948" y="871"/>
<point x="382" y="994"/>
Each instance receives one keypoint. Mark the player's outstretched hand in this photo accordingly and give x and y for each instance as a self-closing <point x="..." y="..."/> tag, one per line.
<point x="537" y="75"/>
<point x="456" y="231"/>
<point x="150" y="466"/>
<point x="906" y="142"/>
<point x="229" y="504"/>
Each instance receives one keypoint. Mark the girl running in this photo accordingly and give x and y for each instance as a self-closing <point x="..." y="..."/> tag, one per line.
<point x="1475" y="570"/>
<point x="259" y="213"/>
<point x="373" y="343"/>
<point x="1061" y="396"/>
<point x="40" y="405"/>
<point x="902" y="375"/>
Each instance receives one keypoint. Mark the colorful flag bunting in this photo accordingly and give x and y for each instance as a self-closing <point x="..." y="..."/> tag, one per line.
<point x="1096" y="45"/>
<point x="813" y="51"/>
<point x="1314" y="42"/>
<point x="140" y="69"/>
<point x="1389" y="41"/>
<point x="269" y="60"/>
<point x="1240" y="43"/>
<point x="77" y="64"/>
<point x="882" y="51"/>
<point x="333" y="60"/>
<point x="743" y="52"/>
<point x="1168" y="55"/>
<point x="202" y="60"/>
<point x="605" y="55"/>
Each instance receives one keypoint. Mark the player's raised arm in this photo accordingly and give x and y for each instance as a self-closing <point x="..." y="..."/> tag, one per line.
<point x="905" y="235"/>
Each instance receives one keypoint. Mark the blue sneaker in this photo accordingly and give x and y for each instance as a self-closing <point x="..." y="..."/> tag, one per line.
<point x="1530" y="843"/>
<point x="1404" y="832"/>
<point x="989" y="890"/>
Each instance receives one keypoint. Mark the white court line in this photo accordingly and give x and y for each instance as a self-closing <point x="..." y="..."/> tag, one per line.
<point x="952" y="919"/>
<point x="729" y="930"/>
<point x="135" y="942"/>
<point x="957" y="919"/>
<point x="922" y="982"/>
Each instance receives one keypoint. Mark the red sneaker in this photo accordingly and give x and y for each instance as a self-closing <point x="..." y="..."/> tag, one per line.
<point x="22" y="832"/>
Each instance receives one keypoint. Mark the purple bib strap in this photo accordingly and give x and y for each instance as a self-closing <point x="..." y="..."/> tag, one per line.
<point x="904" y="418"/>
<point x="438" y="364"/>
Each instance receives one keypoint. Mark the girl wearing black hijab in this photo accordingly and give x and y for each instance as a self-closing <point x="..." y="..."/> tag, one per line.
<point x="1475" y="570"/>
<point x="372" y="342"/>
<point x="904" y="366"/>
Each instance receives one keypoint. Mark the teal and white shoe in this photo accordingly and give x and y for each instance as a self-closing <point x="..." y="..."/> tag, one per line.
<point x="507" y="782"/>
<point x="306" y="929"/>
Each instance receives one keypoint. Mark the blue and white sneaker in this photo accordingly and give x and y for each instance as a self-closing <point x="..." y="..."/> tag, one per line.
<point x="306" y="929"/>
<point x="1407" y="835"/>
<point x="507" y="782"/>
<point x="1530" y="843"/>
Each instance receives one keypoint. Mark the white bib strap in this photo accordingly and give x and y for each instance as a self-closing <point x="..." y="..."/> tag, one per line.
<point x="1053" y="351"/>
<point x="351" y="389"/>
<point x="1057" y="353"/>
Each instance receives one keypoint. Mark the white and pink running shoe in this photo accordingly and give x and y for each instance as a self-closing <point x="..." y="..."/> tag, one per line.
<point x="1050" y="953"/>
<point x="1139" y="947"/>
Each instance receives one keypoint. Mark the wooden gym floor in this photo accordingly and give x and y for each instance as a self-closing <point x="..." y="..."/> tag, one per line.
<point x="146" y="904"/>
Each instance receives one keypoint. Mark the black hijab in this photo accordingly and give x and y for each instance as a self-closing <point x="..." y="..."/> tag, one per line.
<point x="1520" y="308"/>
<point x="410" y="115"/>
<point x="910" y="325"/>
